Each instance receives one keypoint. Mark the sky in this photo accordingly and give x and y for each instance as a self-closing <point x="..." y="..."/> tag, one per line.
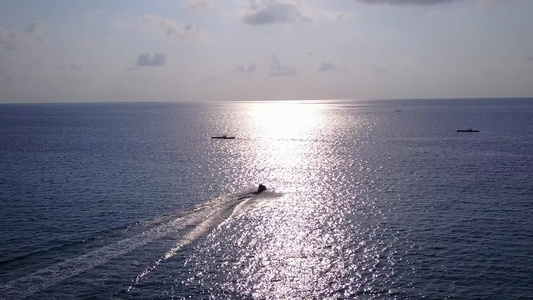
<point x="209" y="50"/>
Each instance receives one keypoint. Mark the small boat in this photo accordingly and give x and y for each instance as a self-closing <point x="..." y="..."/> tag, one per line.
<point x="467" y="130"/>
<point x="223" y="137"/>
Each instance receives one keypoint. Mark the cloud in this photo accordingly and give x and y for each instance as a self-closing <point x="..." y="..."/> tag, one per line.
<point x="171" y="27"/>
<point x="4" y="36"/>
<point x="213" y="78"/>
<point x="145" y="60"/>
<point x="277" y="69"/>
<point x="406" y="2"/>
<point x="34" y="27"/>
<point x="36" y="63"/>
<point x="339" y="16"/>
<point x="486" y="3"/>
<point x="70" y="66"/>
<point x="241" y="69"/>
<point x="327" y="66"/>
<point x="74" y="67"/>
<point x="261" y="12"/>
<point x="200" y="4"/>
<point x="251" y="68"/>
<point x="378" y="70"/>
<point x="14" y="39"/>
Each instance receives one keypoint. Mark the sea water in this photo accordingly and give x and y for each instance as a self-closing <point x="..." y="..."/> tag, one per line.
<point x="365" y="200"/>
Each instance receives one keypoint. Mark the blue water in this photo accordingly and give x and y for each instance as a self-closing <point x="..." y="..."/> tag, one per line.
<point x="365" y="200"/>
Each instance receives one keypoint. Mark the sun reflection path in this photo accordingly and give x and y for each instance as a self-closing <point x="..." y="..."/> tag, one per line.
<point x="286" y="119"/>
<point x="283" y="249"/>
<point x="324" y="238"/>
<point x="283" y="135"/>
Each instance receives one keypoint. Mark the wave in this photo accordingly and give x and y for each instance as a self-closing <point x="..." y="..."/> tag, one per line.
<point x="202" y="219"/>
<point x="222" y="211"/>
<point x="97" y="237"/>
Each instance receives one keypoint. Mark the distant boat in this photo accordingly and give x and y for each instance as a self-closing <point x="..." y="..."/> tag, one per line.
<point x="467" y="130"/>
<point x="223" y="137"/>
<point x="398" y="110"/>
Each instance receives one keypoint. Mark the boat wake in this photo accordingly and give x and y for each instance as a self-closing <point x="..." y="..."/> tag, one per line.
<point x="203" y="219"/>
<point x="217" y="217"/>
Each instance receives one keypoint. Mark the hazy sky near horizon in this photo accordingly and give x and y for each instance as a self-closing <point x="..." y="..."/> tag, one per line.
<point x="179" y="50"/>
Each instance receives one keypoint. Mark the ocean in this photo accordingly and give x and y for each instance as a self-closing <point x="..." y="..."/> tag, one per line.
<point x="365" y="200"/>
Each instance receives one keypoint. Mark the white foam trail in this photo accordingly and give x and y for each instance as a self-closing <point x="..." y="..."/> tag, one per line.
<point x="192" y="236"/>
<point x="49" y="276"/>
<point x="212" y="214"/>
<point x="215" y="219"/>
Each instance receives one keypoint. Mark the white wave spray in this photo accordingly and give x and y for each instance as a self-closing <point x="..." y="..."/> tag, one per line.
<point x="207" y="217"/>
<point x="218" y="216"/>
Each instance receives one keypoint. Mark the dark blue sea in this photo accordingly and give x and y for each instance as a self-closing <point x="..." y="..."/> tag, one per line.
<point x="365" y="200"/>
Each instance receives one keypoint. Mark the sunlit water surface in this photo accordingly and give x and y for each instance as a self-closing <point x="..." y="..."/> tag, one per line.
<point x="365" y="200"/>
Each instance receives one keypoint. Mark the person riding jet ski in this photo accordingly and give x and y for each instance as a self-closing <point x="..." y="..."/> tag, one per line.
<point x="260" y="189"/>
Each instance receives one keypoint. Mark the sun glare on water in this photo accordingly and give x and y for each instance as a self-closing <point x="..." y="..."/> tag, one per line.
<point x="285" y="120"/>
<point x="282" y="133"/>
<point x="287" y="133"/>
<point x="289" y="247"/>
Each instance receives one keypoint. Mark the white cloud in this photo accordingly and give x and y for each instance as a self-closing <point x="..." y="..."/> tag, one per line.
<point x="327" y="66"/>
<point x="200" y="4"/>
<point x="239" y="69"/>
<point x="171" y="27"/>
<point x="277" y="69"/>
<point x="34" y="27"/>
<point x="13" y="39"/>
<point x="71" y="67"/>
<point x="251" y="68"/>
<point x="338" y="16"/>
<point x="213" y="78"/>
<point x="156" y="60"/>
<point x="36" y="63"/>
<point x="406" y="2"/>
<point x="260" y="12"/>
<point x="74" y="67"/>
<point x="485" y="3"/>
<point x="379" y="70"/>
